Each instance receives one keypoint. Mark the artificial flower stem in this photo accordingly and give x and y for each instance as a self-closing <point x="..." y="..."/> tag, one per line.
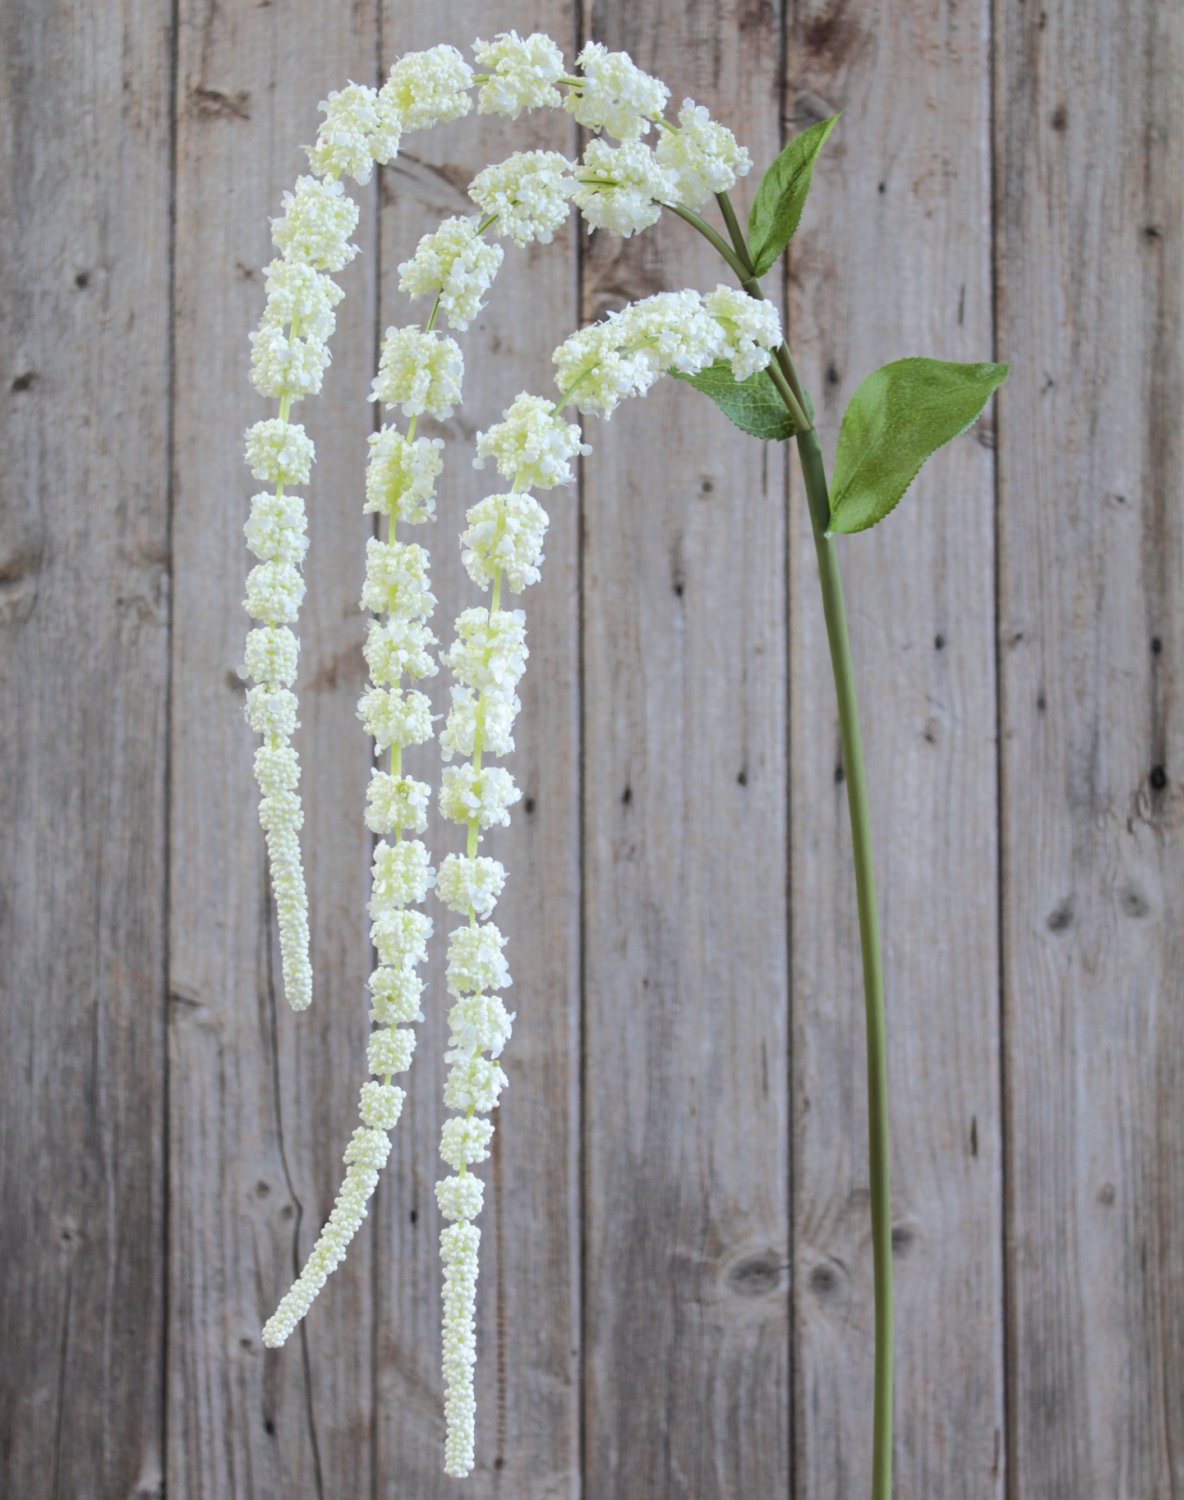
<point x="716" y="239"/>
<point x="785" y="378"/>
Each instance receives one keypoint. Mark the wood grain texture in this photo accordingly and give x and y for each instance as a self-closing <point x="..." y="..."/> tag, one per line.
<point x="263" y="1101"/>
<point x="1092" y="645"/>
<point x="84" y="612"/>
<point x="893" y="259"/>
<point x="528" y="1310"/>
<point x="685" y="1146"/>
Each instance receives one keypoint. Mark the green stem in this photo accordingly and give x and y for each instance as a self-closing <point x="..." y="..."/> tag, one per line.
<point x="785" y="378"/>
<point x="713" y="235"/>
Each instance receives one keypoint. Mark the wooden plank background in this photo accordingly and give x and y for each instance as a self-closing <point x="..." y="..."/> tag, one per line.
<point x="676" y="1285"/>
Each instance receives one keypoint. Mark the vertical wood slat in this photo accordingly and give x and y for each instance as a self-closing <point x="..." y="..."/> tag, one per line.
<point x="686" y="1369"/>
<point x="893" y="259"/>
<point x="1089" y="222"/>
<point x="527" y="1320"/>
<point x="84" y="604"/>
<point x="262" y="1100"/>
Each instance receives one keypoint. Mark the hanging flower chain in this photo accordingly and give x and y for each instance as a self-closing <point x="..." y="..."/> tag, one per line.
<point x="728" y="344"/>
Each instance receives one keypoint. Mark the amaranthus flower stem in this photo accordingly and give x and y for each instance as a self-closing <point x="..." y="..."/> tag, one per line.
<point x="792" y="393"/>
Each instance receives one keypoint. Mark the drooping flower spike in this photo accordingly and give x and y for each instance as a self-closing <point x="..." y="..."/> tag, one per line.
<point x="525" y="198"/>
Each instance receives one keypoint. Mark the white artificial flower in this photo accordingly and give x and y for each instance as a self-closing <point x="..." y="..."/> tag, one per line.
<point x="395" y="716"/>
<point x="476" y="1084"/>
<point x="427" y="88"/>
<point x="271" y="710"/>
<point x="396" y="581"/>
<point x="505" y="535"/>
<point x="460" y="1197"/>
<point x="365" y="1157"/>
<point x="271" y="655"/>
<point x="614" y="94"/>
<point x="276" y="529"/>
<point x="400" y="937"/>
<point x="517" y="73"/>
<point x="530" y="193"/>
<point x="390" y="1051"/>
<point x="284" y="366"/>
<point x="673" y="330"/>
<point x="420" y="372"/>
<point x="492" y="712"/>
<point x="455" y="262"/>
<point x="458" y="1251"/>
<point x="279" y="452"/>
<point x="291" y="906"/>
<point x="476" y="964"/>
<point x="532" y="446"/>
<point x="380" y="1104"/>
<point x="703" y="155"/>
<point x="401" y="874"/>
<point x="300" y="294"/>
<point x="277" y="769"/>
<point x="275" y="592"/>
<point x="465" y="1141"/>
<point x="622" y="188"/>
<point x="479" y="1023"/>
<point x="398" y="647"/>
<point x="316" y="224"/>
<point x="750" y="326"/>
<point x="395" y="803"/>
<point x="470" y="885"/>
<point x="396" y="995"/>
<point x="401" y="475"/>
<point x="483" y="797"/>
<point x="489" y="651"/>
<point x="345" y="140"/>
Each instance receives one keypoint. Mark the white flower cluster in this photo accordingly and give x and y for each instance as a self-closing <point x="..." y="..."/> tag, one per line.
<point x="356" y="132"/>
<point x="289" y="354"/>
<point x="529" y="192"/>
<point x="614" y="95"/>
<point x="703" y="155"/>
<point x="504" y="536"/>
<point x="419" y="372"/>
<point x="454" y="264"/>
<point x="622" y="188"/>
<point x="532" y="446"/>
<point x="428" y="88"/>
<point x="517" y="73"/>
<point x="596" y="367"/>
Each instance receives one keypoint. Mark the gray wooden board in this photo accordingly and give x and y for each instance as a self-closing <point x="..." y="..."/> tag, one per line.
<point x="84" y="612"/>
<point x="1091" y="628"/>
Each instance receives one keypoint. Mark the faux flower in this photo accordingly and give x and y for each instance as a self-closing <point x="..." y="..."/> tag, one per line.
<point x="517" y="74"/>
<point x="395" y="716"/>
<point x="489" y="650"/>
<point x="396" y="580"/>
<point x="399" y="648"/>
<point x="703" y="155"/>
<point x="300" y="294"/>
<point x="316" y="224"/>
<point x="504" y="535"/>
<point x="622" y="188"/>
<point x="396" y="802"/>
<point x="481" y="796"/>
<point x="419" y="372"/>
<point x="455" y="263"/>
<point x="470" y="885"/>
<point x="530" y="193"/>
<point x="276" y="529"/>
<point x="279" y="452"/>
<point x="750" y="326"/>
<point x="614" y="94"/>
<point x="401" y="475"/>
<point x="345" y="140"/>
<point x="427" y="88"/>
<point x="532" y="446"/>
<point x="486" y="718"/>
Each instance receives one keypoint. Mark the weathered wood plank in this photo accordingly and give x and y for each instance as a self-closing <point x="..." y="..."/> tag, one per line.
<point x="893" y="258"/>
<point x="685" y="1030"/>
<point x="527" y="1320"/>
<point x="1092" y="632"/>
<point x="262" y="1101"/>
<point x="84" y="602"/>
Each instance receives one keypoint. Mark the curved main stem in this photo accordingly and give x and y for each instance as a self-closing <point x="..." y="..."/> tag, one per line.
<point x="784" y="377"/>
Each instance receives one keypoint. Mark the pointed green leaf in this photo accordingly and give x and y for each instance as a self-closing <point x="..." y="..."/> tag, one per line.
<point x="899" y="416"/>
<point x="753" y="404"/>
<point x="777" y="208"/>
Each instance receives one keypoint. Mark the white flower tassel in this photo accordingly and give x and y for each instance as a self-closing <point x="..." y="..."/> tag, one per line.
<point x="502" y="545"/>
<point x="400" y="482"/>
<point x="289" y="353"/>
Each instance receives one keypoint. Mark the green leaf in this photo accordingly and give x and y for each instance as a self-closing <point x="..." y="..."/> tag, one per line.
<point x="777" y="208"/>
<point x="753" y="404"/>
<point x="899" y="416"/>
